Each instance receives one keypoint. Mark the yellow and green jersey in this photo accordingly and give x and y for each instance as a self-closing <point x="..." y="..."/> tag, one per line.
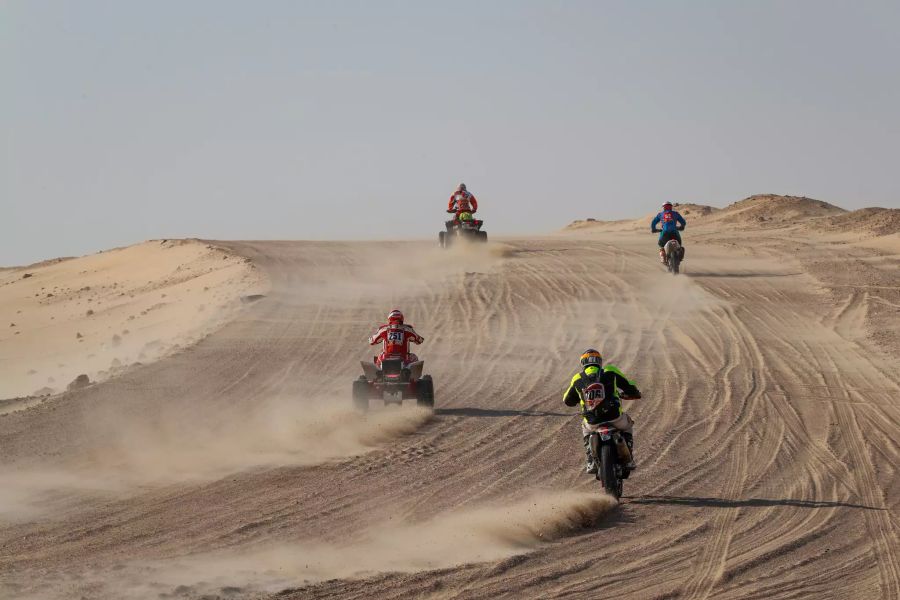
<point x="597" y="391"/>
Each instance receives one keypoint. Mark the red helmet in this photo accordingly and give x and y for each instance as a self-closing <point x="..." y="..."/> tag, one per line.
<point x="395" y="317"/>
<point x="667" y="206"/>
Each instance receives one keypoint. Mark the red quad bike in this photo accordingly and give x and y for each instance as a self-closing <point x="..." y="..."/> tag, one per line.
<point x="463" y="227"/>
<point x="393" y="383"/>
<point x="611" y="454"/>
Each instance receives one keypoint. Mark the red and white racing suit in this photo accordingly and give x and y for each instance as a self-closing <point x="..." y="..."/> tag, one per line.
<point x="462" y="202"/>
<point x="396" y="339"/>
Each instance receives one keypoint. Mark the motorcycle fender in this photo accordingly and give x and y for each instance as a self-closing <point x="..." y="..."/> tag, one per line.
<point x="597" y="441"/>
<point x="415" y="369"/>
<point x="595" y="444"/>
<point x="370" y="370"/>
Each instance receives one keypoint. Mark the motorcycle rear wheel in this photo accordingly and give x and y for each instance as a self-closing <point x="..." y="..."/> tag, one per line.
<point x="607" y="472"/>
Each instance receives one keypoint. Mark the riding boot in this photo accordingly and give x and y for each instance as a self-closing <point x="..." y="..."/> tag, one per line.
<point x="662" y="256"/>
<point x="590" y="466"/>
<point x="629" y="441"/>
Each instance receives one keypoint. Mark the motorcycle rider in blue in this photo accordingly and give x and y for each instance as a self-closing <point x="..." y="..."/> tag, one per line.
<point x="672" y="224"/>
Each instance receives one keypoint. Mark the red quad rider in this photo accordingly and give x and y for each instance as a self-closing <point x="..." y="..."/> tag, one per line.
<point x="461" y="201"/>
<point x="396" y="338"/>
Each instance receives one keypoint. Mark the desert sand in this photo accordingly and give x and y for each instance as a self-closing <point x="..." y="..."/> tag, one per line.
<point x="767" y="437"/>
<point x="98" y="314"/>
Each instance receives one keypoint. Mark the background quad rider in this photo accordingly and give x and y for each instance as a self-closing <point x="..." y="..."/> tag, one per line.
<point x="396" y="338"/>
<point x="601" y="403"/>
<point x="460" y="201"/>
<point x="672" y="223"/>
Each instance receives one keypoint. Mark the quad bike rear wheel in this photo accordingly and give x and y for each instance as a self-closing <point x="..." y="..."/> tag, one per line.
<point x="361" y="394"/>
<point x="442" y="239"/>
<point x="482" y="236"/>
<point x="425" y="392"/>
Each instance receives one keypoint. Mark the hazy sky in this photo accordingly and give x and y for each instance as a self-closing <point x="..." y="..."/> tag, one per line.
<point x="125" y="120"/>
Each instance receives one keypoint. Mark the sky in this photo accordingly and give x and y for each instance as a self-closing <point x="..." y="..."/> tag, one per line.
<point x="123" y="120"/>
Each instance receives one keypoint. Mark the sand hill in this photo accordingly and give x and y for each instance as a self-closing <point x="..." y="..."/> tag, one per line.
<point x="98" y="314"/>
<point x="765" y="211"/>
<point x="773" y="210"/>
<point x="693" y="211"/>
<point x="766" y="434"/>
<point x="874" y="221"/>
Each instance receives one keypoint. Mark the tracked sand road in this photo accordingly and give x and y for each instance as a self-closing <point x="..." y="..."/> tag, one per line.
<point x="767" y="439"/>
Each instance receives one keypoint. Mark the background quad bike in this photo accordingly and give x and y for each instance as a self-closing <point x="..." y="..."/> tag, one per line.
<point x="465" y="232"/>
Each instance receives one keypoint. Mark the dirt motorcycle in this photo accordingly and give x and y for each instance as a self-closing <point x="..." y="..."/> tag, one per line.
<point x="611" y="454"/>
<point x="463" y="227"/>
<point x="393" y="382"/>
<point x="673" y="253"/>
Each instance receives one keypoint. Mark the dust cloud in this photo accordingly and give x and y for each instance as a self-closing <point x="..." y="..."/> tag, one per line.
<point x="467" y="535"/>
<point x="387" y="273"/>
<point x="170" y="449"/>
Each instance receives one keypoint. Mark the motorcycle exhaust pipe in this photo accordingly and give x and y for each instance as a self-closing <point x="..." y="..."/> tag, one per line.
<point x="622" y="447"/>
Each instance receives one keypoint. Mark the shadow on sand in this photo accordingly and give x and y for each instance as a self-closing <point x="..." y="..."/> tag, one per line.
<point x="486" y="412"/>
<point x="750" y="502"/>
<point x="738" y="275"/>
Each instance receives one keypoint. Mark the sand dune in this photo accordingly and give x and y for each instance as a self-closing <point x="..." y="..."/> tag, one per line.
<point x="770" y="209"/>
<point x="766" y="437"/>
<point x="874" y="221"/>
<point x="767" y="211"/>
<point x="98" y="314"/>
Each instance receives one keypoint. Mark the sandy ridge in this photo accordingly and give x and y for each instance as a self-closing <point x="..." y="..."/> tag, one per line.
<point x="767" y="436"/>
<point x="98" y="314"/>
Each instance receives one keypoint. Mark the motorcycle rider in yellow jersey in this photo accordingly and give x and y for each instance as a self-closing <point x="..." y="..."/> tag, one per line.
<point x="605" y="406"/>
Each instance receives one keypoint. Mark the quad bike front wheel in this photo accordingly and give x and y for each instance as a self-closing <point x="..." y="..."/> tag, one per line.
<point x="442" y="239"/>
<point x="361" y="394"/>
<point x="425" y="392"/>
